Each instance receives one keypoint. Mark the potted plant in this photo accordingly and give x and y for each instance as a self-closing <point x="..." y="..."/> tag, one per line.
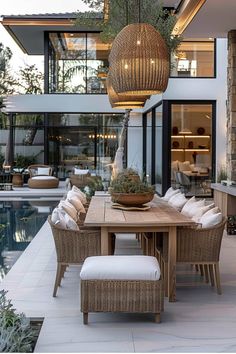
<point x="128" y="189"/>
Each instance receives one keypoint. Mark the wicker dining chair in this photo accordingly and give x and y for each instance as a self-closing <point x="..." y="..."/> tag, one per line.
<point x="200" y="247"/>
<point x="73" y="247"/>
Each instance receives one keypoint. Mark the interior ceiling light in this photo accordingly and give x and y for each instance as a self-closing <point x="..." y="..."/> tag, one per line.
<point x="123" y="101"/>
<point x="139" y="61"/>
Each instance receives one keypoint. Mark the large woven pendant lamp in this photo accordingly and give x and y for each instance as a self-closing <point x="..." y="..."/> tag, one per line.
<point x="124" y="101"/>
<point x="139" y="61"/>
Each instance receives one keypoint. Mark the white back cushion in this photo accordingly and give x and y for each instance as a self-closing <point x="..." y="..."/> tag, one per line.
<point x="169" y="193"/>
<point x="69" y="209"/>
<point x="81" y="195"/>
<point x="76" y="202"/>
<point x="186" y="206"/>
<point x="191" y="209"/>
<point x="200" y="211"/>
<point x="78" y="171"/>
<point x="44" y="171"/>
<point x="178" y="201"/>
<point x="210" y="220"/>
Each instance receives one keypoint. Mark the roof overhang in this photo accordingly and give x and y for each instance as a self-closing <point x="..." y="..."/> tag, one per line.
<point x="215" y="19"/>
<point x="28" y="31"/>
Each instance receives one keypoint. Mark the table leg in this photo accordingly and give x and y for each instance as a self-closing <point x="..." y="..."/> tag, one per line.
<point x="104" y="241"/>
<point x="172" y="264"/>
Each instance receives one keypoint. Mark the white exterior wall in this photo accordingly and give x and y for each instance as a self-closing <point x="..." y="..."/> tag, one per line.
<point x="178" y="88"/>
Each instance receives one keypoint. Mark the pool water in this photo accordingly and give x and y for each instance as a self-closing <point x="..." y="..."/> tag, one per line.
<point x="19" y="223"/>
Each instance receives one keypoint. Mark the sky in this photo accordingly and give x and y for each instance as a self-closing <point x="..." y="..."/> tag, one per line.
<point x="21" y="7"/>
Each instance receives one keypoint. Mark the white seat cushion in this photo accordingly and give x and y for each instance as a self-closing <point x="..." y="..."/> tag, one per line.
<point x="120" y="268"/>
<point x="43" y="177"/>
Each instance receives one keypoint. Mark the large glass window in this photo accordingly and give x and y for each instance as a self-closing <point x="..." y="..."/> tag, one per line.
<point x="78" y="63"/>
<point x="28" y="139"/>
<point x="194" y="59"/>
<point x="191" y="148"/>
<point x="88" y="141"/>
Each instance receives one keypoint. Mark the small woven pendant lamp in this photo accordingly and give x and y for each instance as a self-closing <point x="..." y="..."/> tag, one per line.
<point x="124" y="101"/>
<point x="139" y="61"/>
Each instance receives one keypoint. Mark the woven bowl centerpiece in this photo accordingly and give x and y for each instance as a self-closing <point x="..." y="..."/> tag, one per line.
<point x="127" y="189"/>
<point x="132" y="199"/>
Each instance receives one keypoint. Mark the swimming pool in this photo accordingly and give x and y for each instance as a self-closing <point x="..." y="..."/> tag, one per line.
<point x="19" y="223"/>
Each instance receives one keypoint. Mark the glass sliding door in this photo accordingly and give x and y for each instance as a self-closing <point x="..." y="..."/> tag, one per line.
<point x="70" y="147"/>
<point x="192" y="147"/>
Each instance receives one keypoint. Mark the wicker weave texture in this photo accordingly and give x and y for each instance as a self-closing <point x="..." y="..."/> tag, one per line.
<point x="75" y="246"/>
<point x="124" y="101"/>
<point x="121" y="296"/>
<point x="139" y="61"/>
<point x="197" y="245"/>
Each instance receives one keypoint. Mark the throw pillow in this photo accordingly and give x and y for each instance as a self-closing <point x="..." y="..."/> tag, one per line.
<point x="58" y="217"/>
<point x="169" y="193"/>
<point x="43" y="171"/>
<point x="212" y="211"/>
<point x="178" y="201"/>
<point x="70" y="223"/>
<point x="81" y="195"/>
<point x="200" y="211"/>
<point x="191" y="209"/>
<point x="76" y="202"/>
<point x="186" y="206"/>
<point x="78" y="171"/>
<point x="210" y="220"/>
<point x="69" y="209"/>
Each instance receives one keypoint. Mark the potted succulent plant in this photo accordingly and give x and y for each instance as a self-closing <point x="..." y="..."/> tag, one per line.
<point x="128" y="189"/>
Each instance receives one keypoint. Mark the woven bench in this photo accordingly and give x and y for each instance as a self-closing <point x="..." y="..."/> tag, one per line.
<point x="121" y="284"/>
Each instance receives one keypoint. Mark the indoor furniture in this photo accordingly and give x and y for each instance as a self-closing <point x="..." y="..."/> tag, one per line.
<point x="73" y="247"/>
<point x="121" y="284"/>
<point x="161" y="217"/>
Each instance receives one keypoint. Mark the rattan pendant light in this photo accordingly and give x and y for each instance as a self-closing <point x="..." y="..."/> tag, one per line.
<point x="124" y="101"/>
<point x="139" y="61"/>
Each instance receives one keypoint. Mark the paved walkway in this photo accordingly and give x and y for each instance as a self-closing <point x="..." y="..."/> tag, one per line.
<point x="200" y="321"/>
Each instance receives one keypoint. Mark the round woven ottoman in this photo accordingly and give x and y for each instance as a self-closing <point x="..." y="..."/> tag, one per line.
<point x="43" y="182"/>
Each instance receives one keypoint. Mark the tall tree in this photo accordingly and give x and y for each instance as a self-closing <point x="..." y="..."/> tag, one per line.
<point x="31" y="80"/>
<point x="7" y="81"/>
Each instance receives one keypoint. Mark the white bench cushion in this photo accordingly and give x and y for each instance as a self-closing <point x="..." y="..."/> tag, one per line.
<point x="120" y="268"/>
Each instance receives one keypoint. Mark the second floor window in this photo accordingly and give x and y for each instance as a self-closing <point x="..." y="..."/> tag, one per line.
<point x="194" y="59"/>
<point x="78" y="63"/>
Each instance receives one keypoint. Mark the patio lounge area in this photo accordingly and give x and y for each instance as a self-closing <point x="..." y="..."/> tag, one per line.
<point x="200" y="320"/>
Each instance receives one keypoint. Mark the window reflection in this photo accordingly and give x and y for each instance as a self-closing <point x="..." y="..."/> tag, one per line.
<point x="194" y="59"/>
<point x="78" y="63"/>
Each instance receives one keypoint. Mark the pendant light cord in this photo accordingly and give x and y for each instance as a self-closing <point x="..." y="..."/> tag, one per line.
<point x="139" y="11"/>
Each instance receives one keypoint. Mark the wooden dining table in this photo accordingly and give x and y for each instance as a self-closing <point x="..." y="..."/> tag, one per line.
<point x="161" y="217"/>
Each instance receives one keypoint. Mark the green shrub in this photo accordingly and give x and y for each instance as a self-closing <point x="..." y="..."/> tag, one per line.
<point x="128" y="181"/>
<point x="16" y="334"/>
